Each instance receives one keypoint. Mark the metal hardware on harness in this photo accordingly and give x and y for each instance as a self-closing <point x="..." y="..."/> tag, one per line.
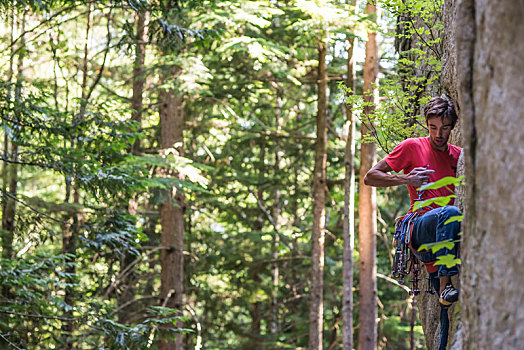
<point x="404" y="258"/>
<point x="429" y="289"/>
<point x="415" y="271"/>
<point x="405" y="261"/>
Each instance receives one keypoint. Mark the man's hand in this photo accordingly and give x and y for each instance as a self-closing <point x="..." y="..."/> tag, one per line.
<point x="419" y="176"/>
<point x="379" y="176"/>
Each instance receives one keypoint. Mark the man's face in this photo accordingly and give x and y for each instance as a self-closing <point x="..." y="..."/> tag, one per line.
<point x="439" y="131"/>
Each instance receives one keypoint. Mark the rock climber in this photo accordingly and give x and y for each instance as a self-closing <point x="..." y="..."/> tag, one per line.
<point x="424" y="160"/>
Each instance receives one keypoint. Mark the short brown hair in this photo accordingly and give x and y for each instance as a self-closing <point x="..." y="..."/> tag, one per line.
<point x="441" y="107"/>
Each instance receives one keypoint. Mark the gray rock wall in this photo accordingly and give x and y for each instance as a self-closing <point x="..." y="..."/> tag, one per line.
<point x="489" y="42"/>
<point x="429" y="309"/>
<point x="448" y="78"/>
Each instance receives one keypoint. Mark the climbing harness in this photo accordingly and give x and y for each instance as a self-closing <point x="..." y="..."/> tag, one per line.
<point x="405" y="261"/>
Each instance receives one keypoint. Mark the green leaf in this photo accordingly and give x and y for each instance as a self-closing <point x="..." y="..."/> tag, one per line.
<point x="445" y="181"/>
<point x="440" y="201"/>
<point x="458" y="218"/>
<point x="435" y="247"/>
<point x="448" y="260"/>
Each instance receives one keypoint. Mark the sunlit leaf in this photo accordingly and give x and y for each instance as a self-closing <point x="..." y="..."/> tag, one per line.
<point x="439" y="201"/>
<point x="458" y="218"/>
<point x="445" y="181"/>
<point x="447" y="260"/>
<point x="435" y="247"/>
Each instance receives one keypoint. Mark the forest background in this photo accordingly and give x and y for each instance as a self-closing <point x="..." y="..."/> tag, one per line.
<point x="164" y="171"/>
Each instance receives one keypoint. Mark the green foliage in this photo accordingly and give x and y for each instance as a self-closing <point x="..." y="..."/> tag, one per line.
<point x="443" y="200"/>
<point x="414" y="78"/>
<point x="435" y="247"/>
<point x="445" y="181"/>
<point x="448" y="260"/>
<point x="391" y="123"/>
<point x="76" y="177"/>
<point x="458" y="218"/>
<point x="395" y="329"/>
<point x="140" y="335"/>
<point x="439" y="201"/>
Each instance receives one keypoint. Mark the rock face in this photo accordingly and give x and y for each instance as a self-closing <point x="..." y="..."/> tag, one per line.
<point x="449" y="58"/>
<point x="429" y="308"/>
<point x="448" y="77"/>
<point x="429" y="311"/>
<point x="460" y="191"/>
<point x="489" y="43"/>
<point x="449" y="84"/>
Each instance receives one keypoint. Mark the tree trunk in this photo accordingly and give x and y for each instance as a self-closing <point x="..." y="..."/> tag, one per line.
<point x="319" y="185"/>
<point x="367" y="206"/>
<point x="349" y="212"/>
<point x="139" y="74"/>
<point x="127" y="293"/>
<point x="490" y="62"/>
<point x="172" y="214"/>
<point x="9" y="173"/>
<point x="276" y="219"/>
<point x="256" y="339"/>
<point x="256" y="318"/>
<point x="11" y="170"/>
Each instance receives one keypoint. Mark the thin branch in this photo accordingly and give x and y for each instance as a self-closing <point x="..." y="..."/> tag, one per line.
<point x="123" y="306"/>
<point x="334" y="343"/>
<point x="374" y="132"/>
<point x="38" y="316"/>
<point x="42" y="23"/>
<point x="391" y="280"/>
<point x="152" y="335"/>
<point x="32" y="208"/>
<point x="129" y="268"/>
<point x="125" y="98"/>
<point x="424" y="41"/>
<point x="339" y="136"/>
<point x="264" y="210"/>
<point x="272" y="261"/>
<point x="198" y="345"/>
<point x="101" y="70"/>
<point x="5" y="158"/>
<point x="10" y="344"/>
<point x="45" y="31"/>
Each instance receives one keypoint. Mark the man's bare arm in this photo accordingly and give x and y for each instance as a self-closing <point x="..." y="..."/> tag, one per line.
<point x="379" y="176"/>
